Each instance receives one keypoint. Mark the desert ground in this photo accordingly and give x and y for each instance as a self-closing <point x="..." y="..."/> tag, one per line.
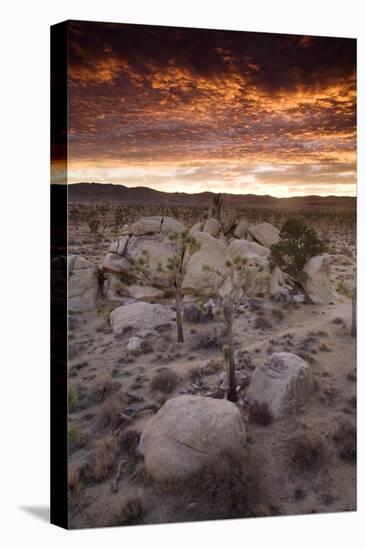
<point x="300" y="463"/>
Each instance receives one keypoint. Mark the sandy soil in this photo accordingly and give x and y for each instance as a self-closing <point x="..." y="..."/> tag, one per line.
<point x="101" y="371"/>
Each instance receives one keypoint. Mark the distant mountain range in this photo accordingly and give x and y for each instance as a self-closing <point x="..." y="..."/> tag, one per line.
<point x="142" y="196"/>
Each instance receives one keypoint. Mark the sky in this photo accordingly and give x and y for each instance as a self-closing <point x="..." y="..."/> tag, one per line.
<point x="192" y="110"/>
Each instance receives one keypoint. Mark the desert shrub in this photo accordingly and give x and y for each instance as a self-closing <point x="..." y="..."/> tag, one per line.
<point x="102" y="388"/>
<point x="193" y="313"/>
<point x="140" y="475"/>
<point x="195" y="374"/>
<point x="73" y="484"/>
<point x="73" y="434"/>
<point x="72" y="397"/>
<point x="324" y="347"/>
<point x="260" y="413"/>
<point x="306" y="452"/>
<point x="146" y="347"/>
<point x="226" y="489"/>
<point x="164" y="381"/>
<point x="109" y="415"/>
<point x="278" y="314"/>
<point x="131" y="511"/>
<point x="210" y="340"/>
<point x="262" y="322"/>
<point x="338" y="321"/>
<point x="212" y="366"/>
<point x="296" y="246"/>
<point x="345" y="437"/>
<point x="129" y="441"/>
<point x="351" y="376"/>
<point x="100" y="462"/>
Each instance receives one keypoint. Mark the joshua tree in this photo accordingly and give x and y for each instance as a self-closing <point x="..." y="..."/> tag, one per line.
<point x="229" y="291"/>
<point x="94" y="226"/>
<point x="296" y="246"/>
<point x="174" y="264"/>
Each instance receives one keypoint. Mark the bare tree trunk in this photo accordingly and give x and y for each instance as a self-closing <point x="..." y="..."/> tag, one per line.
<point x="232" y="381"/>
<point x="178" y="308"/>
<point x="228" y="316"/>
<point x="354" y="313"/>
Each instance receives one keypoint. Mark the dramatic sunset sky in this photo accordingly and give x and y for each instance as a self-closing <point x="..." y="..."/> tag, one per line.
<point x="193" y="110"/>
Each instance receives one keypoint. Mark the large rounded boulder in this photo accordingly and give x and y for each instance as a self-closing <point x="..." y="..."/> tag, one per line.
<point x="265" y="233"/>
<point x="317" y="279"/>
<point x="282" y="385"/>
<point x="189" y="434"/>
<point x="200" y="268"/>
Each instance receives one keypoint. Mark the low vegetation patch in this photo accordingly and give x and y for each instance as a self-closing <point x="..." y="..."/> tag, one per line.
<point x="345" y="437"/>
<point x="164" y="381"/>
<point x="101" y="461"/>
<point x="259" y="413"/>
<point x="306" y="452"/>
<point x="131" y="511"/>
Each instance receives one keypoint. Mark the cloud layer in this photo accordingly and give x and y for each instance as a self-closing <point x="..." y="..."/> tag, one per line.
<point x="195" y="109"/>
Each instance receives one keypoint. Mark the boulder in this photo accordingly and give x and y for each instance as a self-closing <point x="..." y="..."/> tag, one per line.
<point x="189" y="434"/>
<point x="155" y="249"/>
<point x="242" y="247"/>
<point x="213" y="252"/>
<point x="114" y="287"/>
<point x="280" y="285"/>
<point x="144" y="292"/>
<point x="213" y="227"/>
<point x="170" y="225"/>
<point x="140" y="315"/>
<point x="146" y="226"/>
<point x="114" y="263"/>
<point x="317" y="279"/>
<point x="196" y="227"/>
<point x="118" y="246"/>
<point x="241" y="229"/>
<point x="265" y="233"/>
<point x="156" y="224"/>
<point x="284" y="384"/>
<point x="83" y="284"/>
<point x="228" y="217"/>
<point x="134" y="344"/>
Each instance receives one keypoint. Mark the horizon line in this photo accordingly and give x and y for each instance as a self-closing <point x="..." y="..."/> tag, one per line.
<point x="206" y="191"/>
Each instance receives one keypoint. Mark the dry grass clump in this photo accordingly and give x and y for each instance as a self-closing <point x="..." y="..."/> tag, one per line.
<point x="212" y="366"/>
<point x="225" y="489"/>
<point x="327" y="394"/>
<point x="209" y="340"/>
<point x="103" y="387"/>
<point x="324" y="347"/>
<point x="278" y="314"/>
<point x="351" y="376"/>
<point x="131" y="510"/>
<point x="74" y="485"/>
<point x="306" y="452"/>
<point x="164" y="381"/>
<point x="260" y="413"/>
<point x="72" y="398"/>
<point x="109" y="415"/>
<point x="345" y="437"/>
<point x="102" y="459"/>
<point x="262" y="322"/>
<point x="129" y="441"/>
<point x="140" y="475"/>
